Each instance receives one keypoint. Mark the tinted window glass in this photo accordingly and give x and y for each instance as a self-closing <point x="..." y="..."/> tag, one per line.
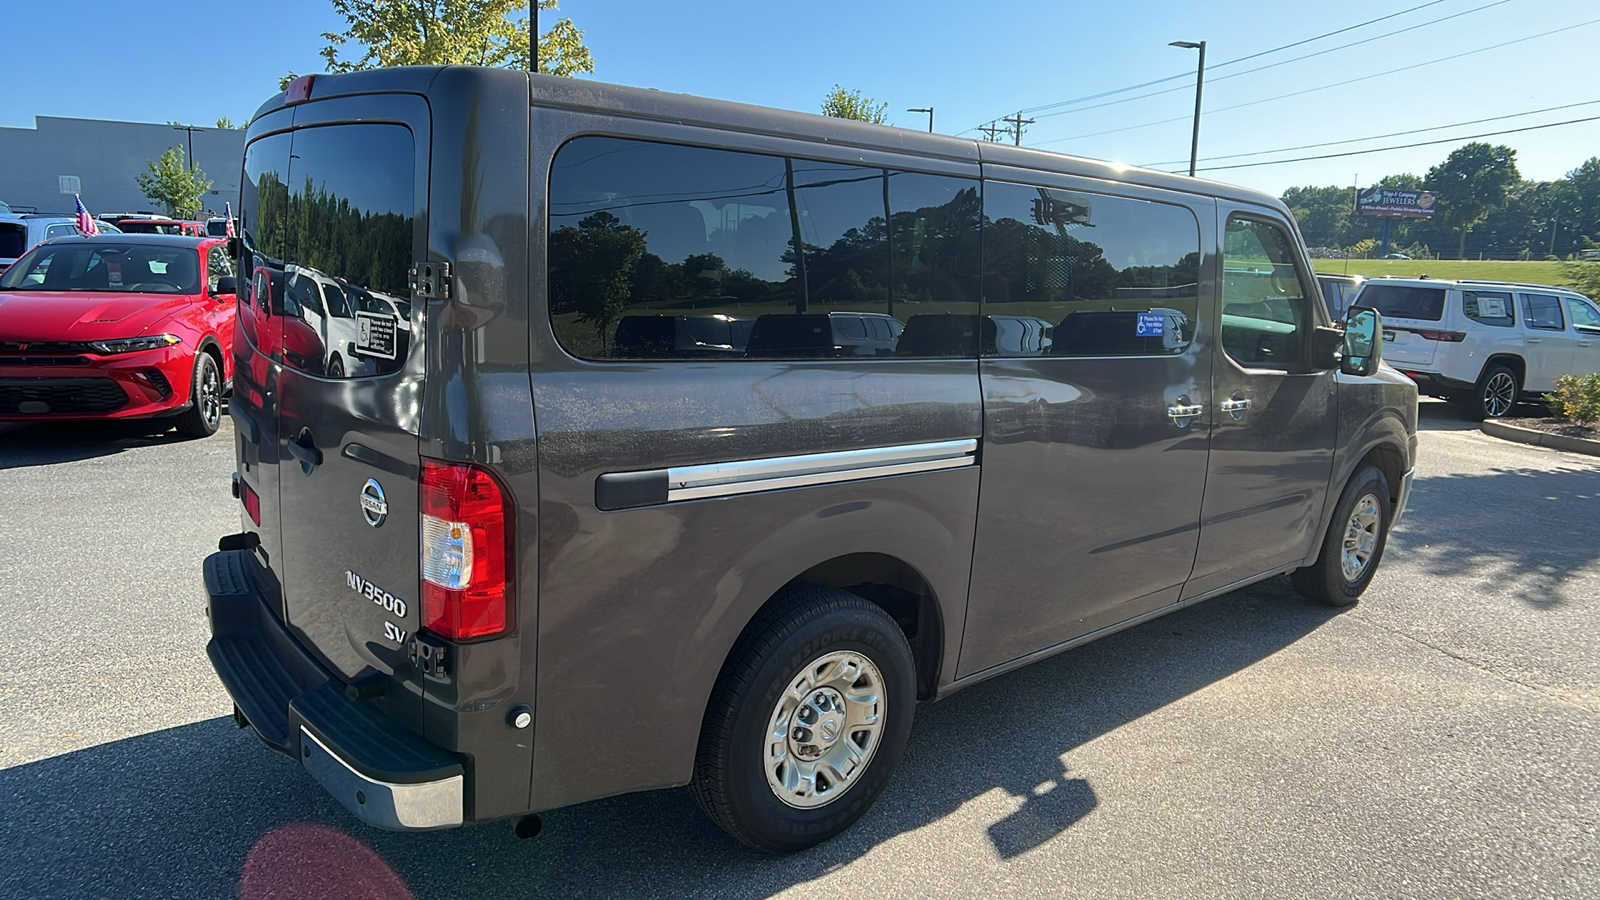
<point x="1543" y="311"/>
<point x="1266" y="313"/>
<point x="217" y="266"/>
<point x="13" y="240"/>
<point x="1488" y="307"/>
<point x="123" y="268"/>
<point x="1395" y="301"/>
<point x="59" y="231"/>
<point x="350" y="212"/>
<point x="1105" y="276"/>
<point x="708" y="238"/>
<point x="1584" y="316"/>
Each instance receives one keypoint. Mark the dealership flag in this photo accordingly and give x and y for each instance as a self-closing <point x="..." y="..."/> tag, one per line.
<point x="86" y="223"/>
<point x="228" y="210"/>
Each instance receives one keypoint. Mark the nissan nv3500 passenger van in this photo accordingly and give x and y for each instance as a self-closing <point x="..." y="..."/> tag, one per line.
<point x="503" y="561"/>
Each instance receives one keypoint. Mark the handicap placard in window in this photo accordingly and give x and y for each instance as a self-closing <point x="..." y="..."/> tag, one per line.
<point x="1151" y="325"/>
<point x="375" y="335"/>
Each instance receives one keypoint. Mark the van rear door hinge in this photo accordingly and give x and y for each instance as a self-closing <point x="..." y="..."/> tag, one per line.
<point x="430" y="280"/>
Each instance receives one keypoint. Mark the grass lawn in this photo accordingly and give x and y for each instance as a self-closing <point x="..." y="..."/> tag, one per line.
<point x="1530" y="272"/>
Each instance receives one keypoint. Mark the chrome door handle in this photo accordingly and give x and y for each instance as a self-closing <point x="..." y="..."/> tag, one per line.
<point x="1235" y="407"/>
<point x="1533" y="340"/>
<point x="1182" y="411"/>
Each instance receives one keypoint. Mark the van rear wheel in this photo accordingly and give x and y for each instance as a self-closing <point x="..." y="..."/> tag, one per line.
<point x="1353" y="545"/>
<point x="808" y="720"/>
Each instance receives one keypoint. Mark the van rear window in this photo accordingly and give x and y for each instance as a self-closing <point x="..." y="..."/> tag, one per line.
<point x="1398" y="301"/>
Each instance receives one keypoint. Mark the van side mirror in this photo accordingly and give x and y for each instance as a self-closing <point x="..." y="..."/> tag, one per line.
<point x="227" y="286"/>
<point x="1363" y="345"/>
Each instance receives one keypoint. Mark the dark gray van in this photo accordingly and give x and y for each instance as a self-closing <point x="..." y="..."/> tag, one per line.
<point x="490" y="567"/>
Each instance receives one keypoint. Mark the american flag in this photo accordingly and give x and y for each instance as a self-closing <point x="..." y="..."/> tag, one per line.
<point x="228" y="211"/>
<point x="86" y="223"/>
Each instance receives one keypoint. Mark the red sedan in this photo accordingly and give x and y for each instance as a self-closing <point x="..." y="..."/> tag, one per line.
<point x="118" y="327"/>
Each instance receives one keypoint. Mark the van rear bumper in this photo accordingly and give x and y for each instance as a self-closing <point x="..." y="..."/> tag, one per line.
<point x="384" y="774"/>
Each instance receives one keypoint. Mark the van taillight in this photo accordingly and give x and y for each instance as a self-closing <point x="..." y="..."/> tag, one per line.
<point x="465" y="552"/>
<point x="1453" y="337"/>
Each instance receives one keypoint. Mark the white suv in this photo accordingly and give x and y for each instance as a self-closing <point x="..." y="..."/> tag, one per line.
<point x="1484" y="344"/>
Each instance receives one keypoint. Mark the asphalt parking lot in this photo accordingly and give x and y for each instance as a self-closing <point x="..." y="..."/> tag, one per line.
<point x="1441" y="739"/>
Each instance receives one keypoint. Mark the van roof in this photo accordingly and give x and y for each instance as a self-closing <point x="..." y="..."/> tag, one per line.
<point x="572" y="93"/>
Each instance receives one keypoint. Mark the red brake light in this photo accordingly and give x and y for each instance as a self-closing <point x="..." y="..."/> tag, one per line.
<point x="1453" y="337"/>
<point x="298" y="91"/>
<point x="465" y="551"/>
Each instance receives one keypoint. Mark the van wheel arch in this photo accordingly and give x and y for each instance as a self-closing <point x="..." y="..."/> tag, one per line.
<point x="892" y="585"/>
<point x="1515" y="363"/>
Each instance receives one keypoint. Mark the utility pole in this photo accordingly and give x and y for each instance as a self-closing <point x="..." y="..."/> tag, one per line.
<point x="533" y="36"/>
<point x="1016" y="122"/>
<point x="191" y="130"/>
<point x="992" y="132"/>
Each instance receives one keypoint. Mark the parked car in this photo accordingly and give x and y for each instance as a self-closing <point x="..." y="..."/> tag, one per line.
<point x="507" y="571"/>
<point x="784" y="335"/>
<point x="20" y="232"/>
<point x="118" y="327"/>
<point x="1397" y="255"/>
<point x="1484" y="344"/>
<point x="665" y="337"/>
<point x="143" y="225"/>
<point x="1338" y="292"/>
<point x="217" y="226"/>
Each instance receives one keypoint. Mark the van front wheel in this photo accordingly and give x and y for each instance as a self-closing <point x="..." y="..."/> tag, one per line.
<point x="1353" y="545"/>
<point x="807" y="722"/>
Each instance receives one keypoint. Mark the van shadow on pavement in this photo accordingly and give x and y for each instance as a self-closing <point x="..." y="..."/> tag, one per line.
<point x="23" y="444"/>
<point x="177" y="812"/>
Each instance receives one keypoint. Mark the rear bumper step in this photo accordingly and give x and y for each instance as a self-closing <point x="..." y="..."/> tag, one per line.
<point x="384" y="774"/>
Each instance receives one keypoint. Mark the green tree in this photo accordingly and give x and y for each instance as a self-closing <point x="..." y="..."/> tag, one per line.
<point x="1323" y="213"/>
<point x="451" y="32"/>
<point x="1472" y="182"/>
<point x="171" y="184"/>
<point x="592" y="268"/>
<point x="225" y="122"/>
<point x="843" y="104"/>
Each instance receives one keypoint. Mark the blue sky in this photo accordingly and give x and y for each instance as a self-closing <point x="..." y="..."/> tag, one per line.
<point x="972" y="62"/>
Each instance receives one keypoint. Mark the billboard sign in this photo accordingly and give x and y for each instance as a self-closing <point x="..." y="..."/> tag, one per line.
<point x="1395" y="204"/>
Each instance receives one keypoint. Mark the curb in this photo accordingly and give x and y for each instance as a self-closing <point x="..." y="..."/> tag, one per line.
<point x="1541" y="438"/>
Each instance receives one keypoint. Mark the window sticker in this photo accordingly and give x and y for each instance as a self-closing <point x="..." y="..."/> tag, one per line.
<point x="1492" y="307"/>
<point x="1151" y="325"/>
<point x="375" y="335"/>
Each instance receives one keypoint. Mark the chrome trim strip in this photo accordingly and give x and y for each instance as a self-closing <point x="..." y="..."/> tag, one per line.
<point x="426" y="806"/>
<point x="775" y="473"/>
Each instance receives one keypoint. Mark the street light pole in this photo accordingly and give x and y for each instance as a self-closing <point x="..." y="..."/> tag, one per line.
<point x="1199" y="86"/>
<point x="533" y="36"/>
<point x="190" y="129"/>
<point x="929" y="111"/>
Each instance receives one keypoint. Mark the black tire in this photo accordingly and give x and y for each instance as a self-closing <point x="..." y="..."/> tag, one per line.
<point x="204" y="414"/>
<point x="1497" y="393"/>
<point x="1326" y="581"/>
<point x="336" y="368"/>
<point x="803" y="625"/>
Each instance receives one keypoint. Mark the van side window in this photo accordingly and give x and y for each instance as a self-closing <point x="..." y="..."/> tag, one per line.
<point x="1584" y="316"/>
<point x="1543" y="311"/>
<point x="648" y="239"/>
<point x="1265" y="311"/>
<point x="1076" y="274"/>
<point x="1488" y="307"/>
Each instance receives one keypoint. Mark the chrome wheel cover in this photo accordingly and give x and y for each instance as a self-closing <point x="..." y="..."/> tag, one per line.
<point x="1499" y="394"/>
<point x="824" y="729"/>
<point x="1360" y="538"/>
<point x="210" y="396"/>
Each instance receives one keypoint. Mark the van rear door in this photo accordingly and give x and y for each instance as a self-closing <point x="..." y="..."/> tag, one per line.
<point x="349" y="403"/>
<point x="1413" y="317"/>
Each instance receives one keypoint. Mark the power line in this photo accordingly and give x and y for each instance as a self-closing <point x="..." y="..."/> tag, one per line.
<point x="1230" y="62"/>
<point x="1284" y="62"/>
<point x="1466" y="137"/>
<point x="1374" y="137"/>
<point x="1328" y="86"/>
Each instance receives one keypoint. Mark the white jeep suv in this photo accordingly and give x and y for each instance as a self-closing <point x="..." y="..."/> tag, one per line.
<point x="1484" y="344"/>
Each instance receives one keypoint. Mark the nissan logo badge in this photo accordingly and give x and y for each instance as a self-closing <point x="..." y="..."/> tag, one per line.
<point x="373" y="507"/>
